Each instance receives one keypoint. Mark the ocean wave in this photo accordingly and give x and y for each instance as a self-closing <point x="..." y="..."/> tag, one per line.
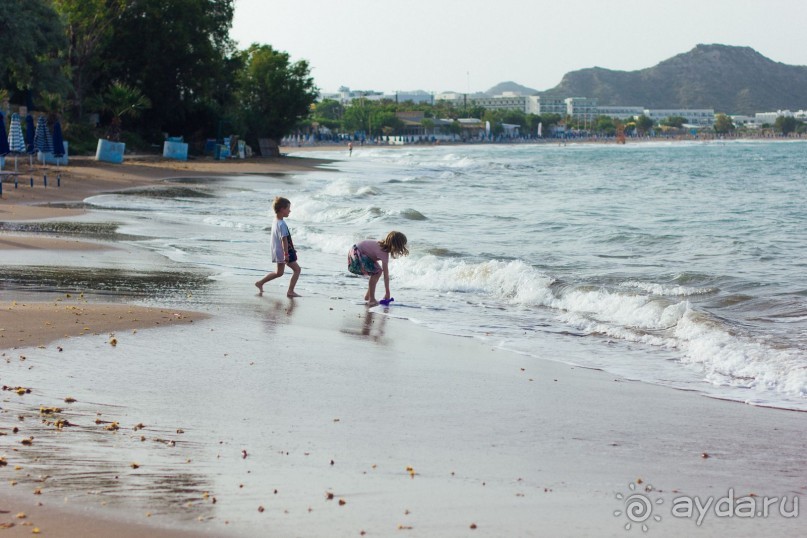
<point x="345" y="188"/>
<point x="412" y="214"/>
<point x="669" y="291"/>
<point x="650" y="315"/>
<point x="740" y="361"/>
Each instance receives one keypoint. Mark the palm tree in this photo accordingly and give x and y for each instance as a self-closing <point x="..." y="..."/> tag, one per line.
<point x="123" y="100"/>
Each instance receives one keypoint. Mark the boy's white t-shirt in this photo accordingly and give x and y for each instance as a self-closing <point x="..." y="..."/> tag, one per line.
<point x="279" y="231"/>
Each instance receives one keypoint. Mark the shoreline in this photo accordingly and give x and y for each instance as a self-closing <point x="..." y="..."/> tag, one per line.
<point x="508" y="443"/>
<point x="63" y="317"/>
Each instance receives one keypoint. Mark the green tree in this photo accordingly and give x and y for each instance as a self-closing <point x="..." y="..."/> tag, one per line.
<point x="428" y="125"/>
<point x="604" y="125"/>
<point x="274" y="94"/>
<point x="122" y="100"/>
<point x="643" y="124"/>
<point x="673" y="121"/>
<point x="548" y="121"/>
<point x="384" y="121"/>
<point x="31" y="36"/>
<point x="357" y="116"/>
<point x="178" y="54"/>
<point x="723" y="124"/>
<point x="785" y="124"/>
<point x="329" y="109"/>
<point x="88" y="27"/>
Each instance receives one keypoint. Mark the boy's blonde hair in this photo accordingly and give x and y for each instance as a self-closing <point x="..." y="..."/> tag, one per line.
<point x="395" y="244"/>
<point x="280" y="203"/>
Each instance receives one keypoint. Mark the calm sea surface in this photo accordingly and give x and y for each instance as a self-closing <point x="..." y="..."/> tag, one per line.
<point x="681" y="264"/>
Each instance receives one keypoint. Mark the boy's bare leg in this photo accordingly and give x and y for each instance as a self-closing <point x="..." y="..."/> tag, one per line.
<point x="295" y="267"/>
<point x="271" y="276"/>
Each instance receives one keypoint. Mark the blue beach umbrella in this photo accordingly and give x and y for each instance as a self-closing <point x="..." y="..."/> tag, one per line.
<point x="4" y="149"/>
<point x="16" y="143"/>
<point x="42" y="140"/>
<point x="58" y="142"/>
<point x="29" y="138"/>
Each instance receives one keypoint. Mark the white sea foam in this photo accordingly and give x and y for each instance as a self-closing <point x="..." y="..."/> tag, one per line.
<point x="739" y="361"/>
<point x="648" y="318"/>
<point x="666" y="290"/>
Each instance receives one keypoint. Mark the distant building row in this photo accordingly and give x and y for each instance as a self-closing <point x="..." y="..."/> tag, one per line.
<point x="580" y="108"/>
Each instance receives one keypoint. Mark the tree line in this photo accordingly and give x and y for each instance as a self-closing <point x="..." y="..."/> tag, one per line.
<point x="146" y="69"/>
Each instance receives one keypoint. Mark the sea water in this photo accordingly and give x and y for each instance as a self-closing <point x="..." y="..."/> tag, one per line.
<point x="681" y="264"/>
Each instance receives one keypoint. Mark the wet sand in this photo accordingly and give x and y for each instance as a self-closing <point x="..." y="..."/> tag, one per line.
<point x="62" y="317"/>
<point x="376" y="427"/>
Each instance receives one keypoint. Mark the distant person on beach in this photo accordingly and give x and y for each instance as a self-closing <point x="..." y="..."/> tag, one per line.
<point x="282" y="248"/>
<point x="349" y="149"/>
<point x="363" y="258"/>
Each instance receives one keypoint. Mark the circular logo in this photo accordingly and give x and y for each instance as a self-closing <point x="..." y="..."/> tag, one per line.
<point x="638" y="507"/>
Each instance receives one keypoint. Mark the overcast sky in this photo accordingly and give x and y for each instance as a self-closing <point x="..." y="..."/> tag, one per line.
<point x="472" y="45"/>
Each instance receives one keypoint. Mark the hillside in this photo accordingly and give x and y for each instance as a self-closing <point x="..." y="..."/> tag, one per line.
<point x="734" y="80"/>
<point x="510" y="86"/>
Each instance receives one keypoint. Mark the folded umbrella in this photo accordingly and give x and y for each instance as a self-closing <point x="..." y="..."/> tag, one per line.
<point x="16" y="142"/>
<point x="29" y="138"/>
<point x="58" y="142"/>
<point x="4" y="149"/>
<point x="42" y="139"/>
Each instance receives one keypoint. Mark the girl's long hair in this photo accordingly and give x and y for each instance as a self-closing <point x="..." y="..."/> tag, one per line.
<point x="395" y="244"/>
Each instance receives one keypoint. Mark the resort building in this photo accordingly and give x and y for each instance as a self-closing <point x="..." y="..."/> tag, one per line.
<point x="701" y="117"/>
<point x="581" y="108"/>
<point x="528" y="104"/>
<point x="345" y="95"/>
<point x="552" y="105"/>
<point x="416" y="96"/>
<point x="620" y="112"/>
<point x="740" y="120"/>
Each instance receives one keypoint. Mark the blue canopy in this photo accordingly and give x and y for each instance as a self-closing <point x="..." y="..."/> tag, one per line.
<point x="29" y="134"/>
<point x="42" y="140"/>
<point x="58" y="140"/>
<point x="16" y="142"/>
<point x="4" y="149"/>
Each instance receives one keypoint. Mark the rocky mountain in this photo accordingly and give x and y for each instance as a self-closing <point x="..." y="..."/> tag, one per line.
<point x="510" y="86"/>
<point x="734" y="80"/>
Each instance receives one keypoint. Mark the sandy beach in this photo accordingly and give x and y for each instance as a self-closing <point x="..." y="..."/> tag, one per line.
<point x="369" y="425"/>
